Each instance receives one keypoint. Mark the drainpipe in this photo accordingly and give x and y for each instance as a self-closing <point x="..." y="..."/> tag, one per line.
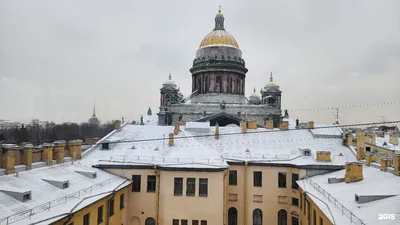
<point x="225" y="195"/>
<point x="245" y="193"/>
<point x="157" y="172"/>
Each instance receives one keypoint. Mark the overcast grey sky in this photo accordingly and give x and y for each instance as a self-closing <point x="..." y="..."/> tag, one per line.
<point x="58" y="57"/>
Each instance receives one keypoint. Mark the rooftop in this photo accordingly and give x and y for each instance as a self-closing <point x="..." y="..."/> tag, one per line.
<point x="375" y="183"/>
<point x="148" y="145"/>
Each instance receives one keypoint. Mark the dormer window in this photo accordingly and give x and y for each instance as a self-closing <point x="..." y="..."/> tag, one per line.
<point x="26" y="197"/>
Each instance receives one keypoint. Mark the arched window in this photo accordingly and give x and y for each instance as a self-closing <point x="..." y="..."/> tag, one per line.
<point x="232" y="216"/>
<point x="257" y="217"/>
<point x="150" y="221"/>
<point x="282" y="217"/>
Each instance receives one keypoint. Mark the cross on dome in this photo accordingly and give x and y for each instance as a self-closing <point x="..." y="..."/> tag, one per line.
<point x="271" y="79"/>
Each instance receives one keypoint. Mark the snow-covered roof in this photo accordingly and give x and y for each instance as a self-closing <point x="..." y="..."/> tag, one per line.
<point x="150" y="120"/>
<point x="148" y="145"/>
<point x="375" y="183"/>
<point x="380" y="142"/>
<point x="44" y="194"/>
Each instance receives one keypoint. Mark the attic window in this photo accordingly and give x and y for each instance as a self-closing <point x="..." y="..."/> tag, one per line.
<point x="368" y="149"/>
<point x="62" y="184"/>
<point x="26" y="197"/>
<point x="65" y="185"/>
<point x="307" y="152"/>
<point x="105" y="146"/>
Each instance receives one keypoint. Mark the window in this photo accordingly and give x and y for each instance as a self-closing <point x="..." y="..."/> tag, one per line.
<point x="184" y="222"/>
<point x="308" y="212"/>
<point x="257" y="217"/>
<point x="86" y="219"/>
<point x="282" y="217"/>
<point x="175" y="222"/>
<point x="367" y="149"/>
<point x="295" y="221"/>
<point x="150" y="221"/>
<point x="314" y="217"/>
<point x="121" y="201"/>
<point x="190" y="186"/>
<point x="295" y="201"/>
<point x="26" y="197"/>
<point x="178" y="186"/>
<point x="232" y="216"/>
<point x="195" y="222"/>
<point x="232" y="177"/>
<point x="100" y="215"/>
<point x="321" y="221"/>
<point x="257" y="179"/>
<point x="151" y="183"/>
<point x="203" y="222"/>
<point x="295" y="177"/>
<point x="282" y="180"/>
<point x="301" y="201"/>
<point x="136" y="180"/>
<point x="110" y="207"/>
<point x="203" y="188"/>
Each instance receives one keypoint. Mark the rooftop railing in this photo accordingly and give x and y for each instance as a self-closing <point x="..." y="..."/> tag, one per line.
<point x="47" y="206"/>
<point x="345" y="211"/>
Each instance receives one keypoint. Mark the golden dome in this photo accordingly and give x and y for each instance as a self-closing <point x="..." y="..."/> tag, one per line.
<point x="219" y="37"/>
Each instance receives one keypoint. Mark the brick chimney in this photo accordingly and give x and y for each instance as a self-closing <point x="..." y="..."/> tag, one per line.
<point x="217" y="131"/>
<point x="27" y="155"/>
<point x="8" y="161"/>
<point x="176" y="129"/>
<point x="396" y="164"/>
<point x="284" y="125"/>
<point x="385" y="162"/>
<point x="75" y="148"/>
<point x="47" y="153"/>
<point x="354" y="172"/>
<point x="243" y="125"/>
<point x="360" y="139"/>
<point x="117" y="124"/>
<point x="360" y="153"/>
<point x="349" y="139"/>
<point x="59" y="151"/>
<point x="323" y="156"/>
<point x="310" y="125"/>
<point x="252" y="124"/>
<point x="269" y="124"/>
<point x="368" y="158"/>
<point x="171" y="140"/>
<point x="394" y="139"/>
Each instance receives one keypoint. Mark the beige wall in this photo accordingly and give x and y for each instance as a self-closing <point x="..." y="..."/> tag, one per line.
<point x="142" y="205"/>
<point x="268" y="194"/>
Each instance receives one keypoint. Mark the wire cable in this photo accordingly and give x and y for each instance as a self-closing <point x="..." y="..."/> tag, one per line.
<point x="255" y="132"/>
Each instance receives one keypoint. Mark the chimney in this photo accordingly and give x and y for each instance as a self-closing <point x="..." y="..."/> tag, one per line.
<point x="27" y="155"/>
<point x="323" y="156"/>
<point x="58" y="151"/>
<point x="394" y="139"/>
<point x="217" y="131"/>
<point x="385" y="162"/>
<point x="360" y="139"/>
<point x="396" y="164"/>
<point x="117" y="124"/>
<point x="269" y="124"/>
<point x="310" y="125"/>
<point x="368" y="158"/>
<point x="349" y="139"/>
<point x="243" y="125"/>
<point x="252" y="124"/>
<point x="182" y="123"/>
<point x="8" y="161"/>
<point x="75" y="147"/>
<point x="176" y="129"/>
<point x="284" y="125"/>
<point x="373" y="139"/>
<point x="47" y="154"/>
<point x="354" y="172"/>
<point x="360" y="153"/>
<point x="171" y="140"/>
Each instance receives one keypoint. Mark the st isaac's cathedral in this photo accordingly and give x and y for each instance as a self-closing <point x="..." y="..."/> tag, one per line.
<point x="218" y="87"/>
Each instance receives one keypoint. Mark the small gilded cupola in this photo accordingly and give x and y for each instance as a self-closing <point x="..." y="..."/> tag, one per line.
<point x="254" y="98"/>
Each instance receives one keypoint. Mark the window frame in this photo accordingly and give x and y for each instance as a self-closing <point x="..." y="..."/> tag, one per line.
<point x="203" y="186"/>
<point x="233" y="177"/>
<point x="293" y="201"/>
<point x="121" y="201"/>
<point x="192" y="184"/>
<point x="178" y="186"/>
<point x="295" y="177"/>
<point x="151" y="183"/>
<point x="195" y="222"/>
<point x="111" y="204"/>
<point x="86" y="219"/>
<point x="184" y="222"/>
<point x="282" y="176"/>
<point x="136" y="183"/>
<point x="203" y="222"/>
<point x="100" y="215"/>
<point x="257" y="178"/>
<point x="175" y="222"/>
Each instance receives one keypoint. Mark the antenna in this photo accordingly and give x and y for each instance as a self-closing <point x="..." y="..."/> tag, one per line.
<point x="337" y="115"/>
